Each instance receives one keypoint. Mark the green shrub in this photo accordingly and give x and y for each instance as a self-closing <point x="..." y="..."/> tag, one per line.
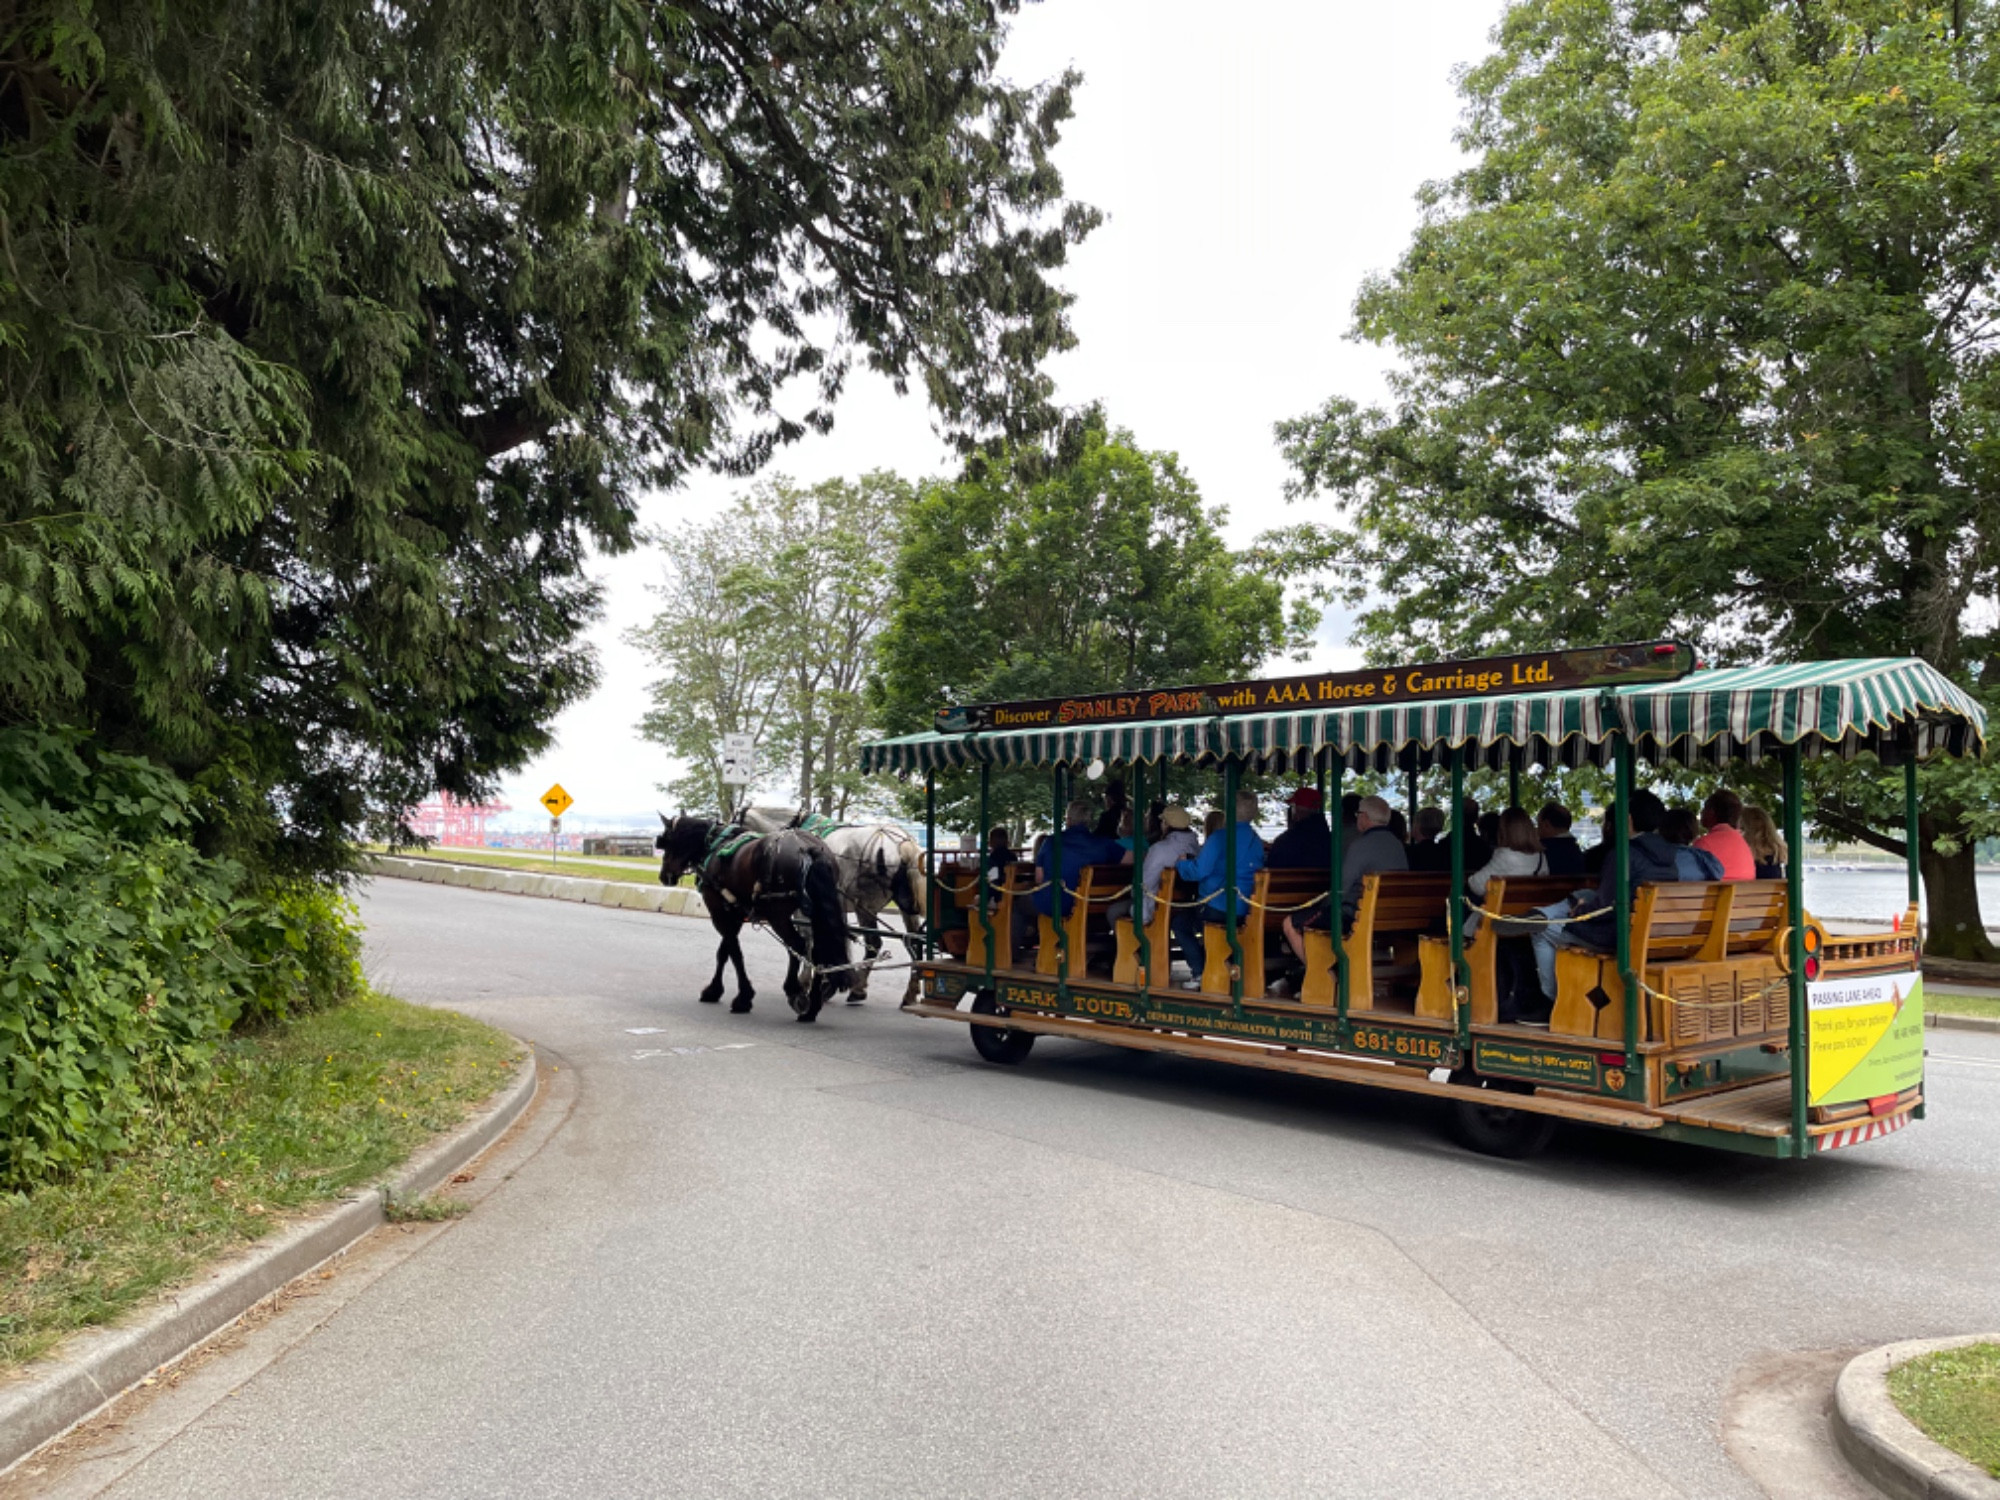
<point x="125" y="954"/>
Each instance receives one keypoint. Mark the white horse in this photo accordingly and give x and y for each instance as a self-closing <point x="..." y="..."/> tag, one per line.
<point x="880" y="866"/>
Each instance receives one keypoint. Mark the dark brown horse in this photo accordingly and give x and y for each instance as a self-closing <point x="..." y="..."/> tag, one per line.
<point x="787" y="881"/>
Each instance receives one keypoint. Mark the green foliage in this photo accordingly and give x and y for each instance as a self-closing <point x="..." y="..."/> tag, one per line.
<point x="1026" y="578"/>
<point x="767" y="627"/>
<point x="286" y="1118"/>
<point x="332" y="339"/>
<point x="1701" y="342"/>
<point x="125" y="955"/>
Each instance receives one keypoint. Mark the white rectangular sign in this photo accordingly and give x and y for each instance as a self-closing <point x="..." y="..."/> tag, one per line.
<point x="739" y="759"/>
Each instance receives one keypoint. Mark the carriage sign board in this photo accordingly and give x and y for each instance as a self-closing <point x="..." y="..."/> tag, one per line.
<point x="1372" y="687"/>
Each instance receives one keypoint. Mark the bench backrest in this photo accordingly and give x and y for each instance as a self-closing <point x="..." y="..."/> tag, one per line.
<point x="1401" y="902"/>
<point x="1756" y="915"/>
<point x="1099" y="885"/>
<point x="1688" y="919"/>
<point x="1285" y="889"/>
<point x="1519" y="894"/>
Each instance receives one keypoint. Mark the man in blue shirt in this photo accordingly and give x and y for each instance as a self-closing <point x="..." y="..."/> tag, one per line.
<point x="1208" y="869"/>
<point x="1080" y="847"/>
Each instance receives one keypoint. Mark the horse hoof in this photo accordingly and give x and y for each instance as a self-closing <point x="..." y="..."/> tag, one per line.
<point x="739" y="1006"/>
<point x="854" y="999"/>
<point x="807" y="1017"/>
<point x="710" y="997"/>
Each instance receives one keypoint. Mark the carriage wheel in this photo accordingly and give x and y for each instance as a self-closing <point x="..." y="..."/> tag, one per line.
<point x="1493" y="1129"/>
<point x="994" y="1043"/>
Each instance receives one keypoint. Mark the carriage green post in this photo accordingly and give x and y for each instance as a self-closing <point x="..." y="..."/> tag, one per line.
<point x="1057" y="888"/>
<point x="985" y="872"/>
<point x="1336" y="894"/>
<point x="1455" y="913"/>
<point x="1135" y="799"/>
<point x="1902" y="711"/>
<point x="930" y="864"/>
<point x="1621" y="898"/>
<point x="1232" y="772"/>
<point x="1795" y="941"/>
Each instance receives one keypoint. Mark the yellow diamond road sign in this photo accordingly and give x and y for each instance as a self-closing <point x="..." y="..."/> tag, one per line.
<point x="557" y="801"/>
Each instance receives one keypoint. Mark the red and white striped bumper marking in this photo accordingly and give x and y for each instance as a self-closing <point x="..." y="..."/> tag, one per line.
<point x="1854" y="1135"/>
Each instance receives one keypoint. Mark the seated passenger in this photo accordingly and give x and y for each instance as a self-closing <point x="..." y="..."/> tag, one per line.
<point x="1207" y="870"/>
<point x="1559" y="845"/>
<point x="1373" y="850"/>
<point x="1767" y="845"/>
<point x="1399" y="828"/>
<point x="1519" y="853"/>
<point x="1176" y="842"/>
<point x="1113" y="820"/>
<point x="1000" y="854"/>
<point x="1306" y="843"/>
<point x="1427" y="848"/>
<point x="1652" y="861"/>
<point x="1722" y="815"/>
<point x="1478" y="848"/>
<point x="1080" y="847"/>
<point x="1679" y="828"/>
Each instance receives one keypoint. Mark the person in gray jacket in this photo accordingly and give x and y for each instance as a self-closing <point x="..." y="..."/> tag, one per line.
<point x="1176" y="842"/>
<point x="1653" y="861"/>
<point x="1374" y="849"/>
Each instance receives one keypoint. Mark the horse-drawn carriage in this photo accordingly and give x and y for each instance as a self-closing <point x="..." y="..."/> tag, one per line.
<point x="1724" y="1015"/>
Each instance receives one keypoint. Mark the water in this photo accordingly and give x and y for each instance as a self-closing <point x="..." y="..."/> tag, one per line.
<point x="1875" y="895"/>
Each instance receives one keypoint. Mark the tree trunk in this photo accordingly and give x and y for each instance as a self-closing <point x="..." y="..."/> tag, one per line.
<point x="1953" y="927"/>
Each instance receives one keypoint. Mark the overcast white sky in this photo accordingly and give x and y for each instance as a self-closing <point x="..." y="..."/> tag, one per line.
<point x="1254" y="162"/>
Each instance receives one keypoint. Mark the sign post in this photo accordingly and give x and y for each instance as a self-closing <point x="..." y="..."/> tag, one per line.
<point x="739" y="763"/>
<point x="558" y="802"/>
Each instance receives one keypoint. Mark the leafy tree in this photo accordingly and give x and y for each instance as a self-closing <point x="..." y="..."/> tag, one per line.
<point x="768" y="627"/>
<point x="1027" y="578"/>
<point x="1703" y="340"/>
<point x="332" y="336"/>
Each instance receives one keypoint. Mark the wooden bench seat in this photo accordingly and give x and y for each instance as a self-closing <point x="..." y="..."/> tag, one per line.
<point x="1517" y="895"/>
<point x="1395" y="910"/>
<point x="1125" y="967"/>
<point x="1258" y="927"/>
<point x="1096" y="888"/>
<point x="1706" y="951"/>
<point x="1013" y="886"/>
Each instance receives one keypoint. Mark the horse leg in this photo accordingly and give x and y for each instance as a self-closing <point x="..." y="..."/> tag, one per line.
<point x="744" y="993"/>
<point x="713" y="992"/>
<point x="792" y="991"/>
<point x="871" y="950"/>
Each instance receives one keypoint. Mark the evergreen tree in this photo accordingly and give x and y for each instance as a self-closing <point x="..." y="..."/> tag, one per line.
<point x="332" y="336"/>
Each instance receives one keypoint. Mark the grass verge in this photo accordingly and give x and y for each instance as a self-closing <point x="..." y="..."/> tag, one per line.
<point x="1954" y="1396"/>
<point x="577" y="867"/>
<point x="292" y="1117"/>
<point x="1962" y="1005"/>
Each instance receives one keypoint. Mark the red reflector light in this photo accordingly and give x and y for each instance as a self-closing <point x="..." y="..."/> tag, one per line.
<point x="1883" y="1104"/>
<point x="1665" y="650"/>
<point x="1812" y="968"/>
<point x="1611" y="1059"/>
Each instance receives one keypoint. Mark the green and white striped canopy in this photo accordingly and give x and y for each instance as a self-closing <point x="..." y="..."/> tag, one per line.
<point x="1891" y="706"/>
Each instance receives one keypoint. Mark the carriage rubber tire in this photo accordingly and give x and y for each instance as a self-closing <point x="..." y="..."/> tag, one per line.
<point x="1494" y="1130"/>
<point x="994" y="1043"/>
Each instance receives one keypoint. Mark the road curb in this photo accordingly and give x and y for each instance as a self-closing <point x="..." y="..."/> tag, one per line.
<point x="1948" y="1022"/>
<point x="677" y="901"/>
<point x="1885" y="1446"/>
<point x="96" y="1367"/>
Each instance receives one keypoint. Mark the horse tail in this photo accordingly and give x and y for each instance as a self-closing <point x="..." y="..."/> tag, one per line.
<point x="820" y="891"/>
<point x="912" y="856"/>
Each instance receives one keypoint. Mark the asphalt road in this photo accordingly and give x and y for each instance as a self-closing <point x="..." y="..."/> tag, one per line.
<point x="852" y="1259"/>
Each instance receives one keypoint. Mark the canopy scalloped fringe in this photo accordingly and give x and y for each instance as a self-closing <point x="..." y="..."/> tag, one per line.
<point x="1889" y="706"/>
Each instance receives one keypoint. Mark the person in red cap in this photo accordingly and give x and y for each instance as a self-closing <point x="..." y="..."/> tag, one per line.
<point x="1306" y="843"/>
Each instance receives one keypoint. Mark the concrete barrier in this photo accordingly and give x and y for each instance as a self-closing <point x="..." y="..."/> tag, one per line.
<point x="622" y="895"/>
